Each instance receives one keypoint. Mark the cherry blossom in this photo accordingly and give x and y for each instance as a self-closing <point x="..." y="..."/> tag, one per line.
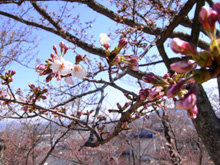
<point x="62" y="67"/>
<point x="79" y="71"/>
<point x="104" y="39"/>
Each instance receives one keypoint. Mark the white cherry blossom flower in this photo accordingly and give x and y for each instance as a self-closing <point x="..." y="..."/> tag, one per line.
<point x="104" y="39"/>
<point x="79" y="71"/>
<point x="61" y="67"/>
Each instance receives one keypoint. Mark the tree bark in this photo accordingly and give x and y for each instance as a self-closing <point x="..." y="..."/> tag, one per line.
<point x="208" y="125"/>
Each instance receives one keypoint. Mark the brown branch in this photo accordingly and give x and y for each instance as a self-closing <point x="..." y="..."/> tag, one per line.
<point x="45" y="15"/>
<point x="176" y="21"/>
<point x="164" y="56"/>
<point x="170" y="27"/>
<point x="124" y="118"/>
<point x="210" y="2"/>
<point x="149" y="30"/>
<point x="196" y="24"/>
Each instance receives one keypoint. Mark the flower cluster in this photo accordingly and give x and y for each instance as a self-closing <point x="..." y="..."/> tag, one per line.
<point x="57" y="66"/>
<point x="208" y="60"/>
<point x="36" y="94"/>
<point x="208" y="17"/>
<point x="196" y="69"/>
<point x="114" y="58"/>
<point x="7" y="78"/>
<point x="171" y="87"/>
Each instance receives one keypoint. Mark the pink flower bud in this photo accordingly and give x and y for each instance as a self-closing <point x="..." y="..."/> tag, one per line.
<point x="49" y="78"/>
<point x="40" y="68"/>
<point x="10" y="79"/>
<point x="78" y="58"/>
<point x="13" y="72"/>
<point x="79" y="113"/>
<point x="62" y="44"/>
<point x="204" y="13"/>
<point x="32" y="86"/>
<point x="53" y="56"/>
<point x="213" y="17"/>
<point x="175" y="88"/>
<point x="151" y="78"/>
<point x="127" y="104"/>
<point x="176" y="44"/>
<point x="183" y="66"/>
<point x="179" y="46"/>
<point x="208" y="17"/>
<point x="156" y="93"/>
<point x="166" y="75"/>
<point x="216" y="7"/>
<point x="55" y="48"/>
<point x="144" y="94"/>
<point x="131" y="61"/>
<point x="122" y="42"/>
<point x="192" y="113"/>
<point x="117" y="59"/>
<point x="188" y="101"/>
<point x="44" y="90"/>
<point x="3" y="82"/>
<point x="66" y="47"/>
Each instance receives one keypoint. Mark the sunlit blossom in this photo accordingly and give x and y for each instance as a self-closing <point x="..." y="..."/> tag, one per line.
<point x="104" y="39"/>
<point x="79" y="71"/>
<point x="61" y="67"/>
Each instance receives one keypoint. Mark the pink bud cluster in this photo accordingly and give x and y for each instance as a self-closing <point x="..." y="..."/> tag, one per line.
<point x="38" y="92"/>
<point x="188" y="102"/>
<point x="63" y="48"/>
<point x="4" y="94"/>
<point x="7" y="78"/>
<point x="172" y="87"/>
<point x="208" y="60"/>
<point x="114" y="58"/>
<point x="131" y="61"/>
<point x="208" y="17"/>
